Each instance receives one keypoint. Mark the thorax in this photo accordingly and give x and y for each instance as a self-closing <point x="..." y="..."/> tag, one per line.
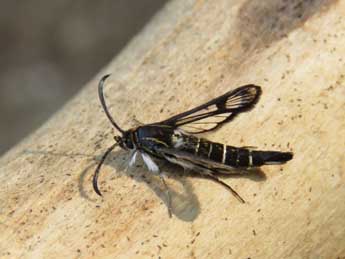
<point x="152" y="136"/>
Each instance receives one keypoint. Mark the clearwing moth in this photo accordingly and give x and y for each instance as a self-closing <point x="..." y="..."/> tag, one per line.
<point x="173" y="140"/>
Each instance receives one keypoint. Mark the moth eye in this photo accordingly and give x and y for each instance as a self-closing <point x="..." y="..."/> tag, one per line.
<point x="129" y="143"/>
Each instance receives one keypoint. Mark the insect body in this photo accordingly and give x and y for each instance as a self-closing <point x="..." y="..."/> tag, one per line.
<point x="173" y="139"/>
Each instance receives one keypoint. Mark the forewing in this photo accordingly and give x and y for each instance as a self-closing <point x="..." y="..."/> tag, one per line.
<point x="214" y="113"/>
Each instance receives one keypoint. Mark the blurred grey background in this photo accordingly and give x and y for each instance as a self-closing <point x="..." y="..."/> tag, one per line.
<point x="49" y="49"/>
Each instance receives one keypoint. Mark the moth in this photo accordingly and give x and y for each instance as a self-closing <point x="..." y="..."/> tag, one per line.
<point x="175" y="140"/>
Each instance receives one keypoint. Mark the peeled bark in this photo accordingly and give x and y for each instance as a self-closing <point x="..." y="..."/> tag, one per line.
<point x="190" y="52"/>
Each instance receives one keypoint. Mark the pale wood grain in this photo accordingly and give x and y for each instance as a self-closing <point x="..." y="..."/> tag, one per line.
<point x="190" y="52"/>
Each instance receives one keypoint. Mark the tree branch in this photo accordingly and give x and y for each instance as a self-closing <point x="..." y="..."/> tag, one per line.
<point x="190" y="52"/>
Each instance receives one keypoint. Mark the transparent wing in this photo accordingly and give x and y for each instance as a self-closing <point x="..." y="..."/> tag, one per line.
<point x="214" y="113"/>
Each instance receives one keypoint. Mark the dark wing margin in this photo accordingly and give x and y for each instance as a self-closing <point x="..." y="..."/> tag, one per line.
<point x="214" y="113"/>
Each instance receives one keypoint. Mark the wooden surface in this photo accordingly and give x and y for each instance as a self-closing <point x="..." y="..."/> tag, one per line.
<point x="190" y="52"/>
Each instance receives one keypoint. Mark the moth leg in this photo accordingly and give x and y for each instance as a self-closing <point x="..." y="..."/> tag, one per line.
<point x="153" y="167"/>
<point x="216" y="179"/>
<point x="167" y="194"/>
<point x="132" y="159"/>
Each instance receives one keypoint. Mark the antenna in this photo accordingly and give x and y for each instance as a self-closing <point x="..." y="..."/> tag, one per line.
<point x="101" y="98"/>
<point x="95" y="176"/>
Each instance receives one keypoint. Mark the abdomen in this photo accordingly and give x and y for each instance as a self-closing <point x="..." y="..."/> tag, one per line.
<point x="232" y="156"/>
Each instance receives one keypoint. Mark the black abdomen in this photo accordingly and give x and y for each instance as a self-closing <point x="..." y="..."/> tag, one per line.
<point x="233" y="156"/>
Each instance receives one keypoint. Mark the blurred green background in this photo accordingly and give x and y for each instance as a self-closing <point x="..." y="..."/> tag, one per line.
<point x="49" y="49"/>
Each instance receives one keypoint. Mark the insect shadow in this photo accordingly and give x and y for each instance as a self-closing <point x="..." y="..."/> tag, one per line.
<point x="185" y="203"/>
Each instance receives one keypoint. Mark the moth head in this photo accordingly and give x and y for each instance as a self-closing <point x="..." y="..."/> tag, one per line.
<point x="125" y="141"/>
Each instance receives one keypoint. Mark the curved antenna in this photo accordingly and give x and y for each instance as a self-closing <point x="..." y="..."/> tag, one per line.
<point x="96" y="174"/>
<point x="101" y="98"/>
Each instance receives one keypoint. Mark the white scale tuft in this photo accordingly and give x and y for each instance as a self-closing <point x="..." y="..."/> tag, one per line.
<point x="177" y="139"/>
